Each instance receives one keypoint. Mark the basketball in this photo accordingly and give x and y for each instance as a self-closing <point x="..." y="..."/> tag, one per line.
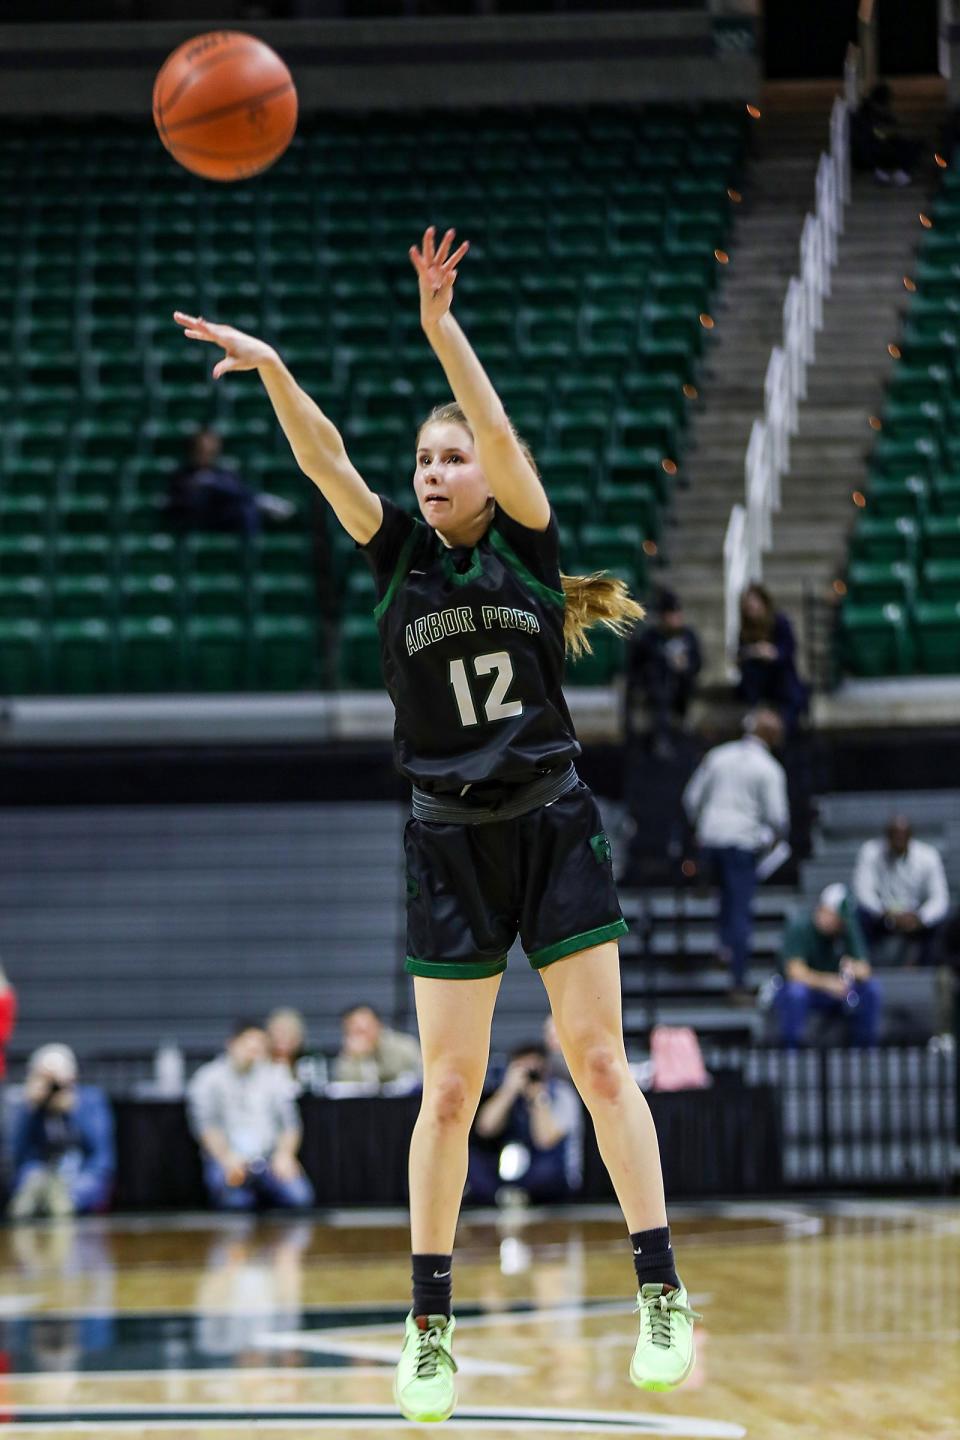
<point x="224" y="105"/>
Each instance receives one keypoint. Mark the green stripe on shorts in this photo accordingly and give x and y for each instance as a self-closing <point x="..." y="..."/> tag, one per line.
<point x="455" y="969"/>
<point x="589" y="938"/>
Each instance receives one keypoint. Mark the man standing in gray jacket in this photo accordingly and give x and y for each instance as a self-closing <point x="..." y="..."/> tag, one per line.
<point x="736" y="800"/>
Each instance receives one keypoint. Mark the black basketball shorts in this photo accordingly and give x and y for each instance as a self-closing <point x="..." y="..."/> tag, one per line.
<point x="471" y="888"/>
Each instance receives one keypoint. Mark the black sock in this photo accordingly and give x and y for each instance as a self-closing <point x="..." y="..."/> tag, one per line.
<point x="653" y="1258"/>
<point x="432" y="1284"/>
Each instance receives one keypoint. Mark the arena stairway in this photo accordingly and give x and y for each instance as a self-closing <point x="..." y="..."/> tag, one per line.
<point x="845" y="382"/>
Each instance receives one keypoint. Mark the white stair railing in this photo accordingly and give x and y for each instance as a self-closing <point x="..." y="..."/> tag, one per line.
<point x="750" y="529"/>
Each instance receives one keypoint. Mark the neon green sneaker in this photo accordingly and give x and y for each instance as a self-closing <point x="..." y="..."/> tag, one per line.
<point x="665" y="1351"/>
<point x="424" y="1388"/>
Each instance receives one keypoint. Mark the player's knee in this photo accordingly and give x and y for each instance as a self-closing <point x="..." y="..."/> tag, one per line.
<point x="603" y="1069"/>
<point x="450" y="1098"/>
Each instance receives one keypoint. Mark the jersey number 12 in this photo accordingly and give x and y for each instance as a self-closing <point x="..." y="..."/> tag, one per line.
<point x="496" y="706"/>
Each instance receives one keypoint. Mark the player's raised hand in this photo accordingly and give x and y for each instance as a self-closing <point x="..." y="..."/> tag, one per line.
<point x="436" y="270"/>
<point x="243" y="352"/>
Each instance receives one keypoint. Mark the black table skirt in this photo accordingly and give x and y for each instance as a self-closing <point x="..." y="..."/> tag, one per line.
<point x="724" y="1141"/>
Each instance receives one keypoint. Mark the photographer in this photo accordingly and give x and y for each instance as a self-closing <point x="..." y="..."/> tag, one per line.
<point x="539" y="1117"/>
<point x="63" y="1148"/>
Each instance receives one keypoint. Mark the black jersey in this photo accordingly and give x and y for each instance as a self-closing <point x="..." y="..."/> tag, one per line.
<point x="472" y="648"/>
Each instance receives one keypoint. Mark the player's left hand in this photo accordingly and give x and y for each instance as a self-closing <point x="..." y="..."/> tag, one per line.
<point x="437" y="270"/>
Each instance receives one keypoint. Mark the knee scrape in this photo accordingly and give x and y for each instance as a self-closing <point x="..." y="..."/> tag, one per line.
<point x="604" y="1072"/>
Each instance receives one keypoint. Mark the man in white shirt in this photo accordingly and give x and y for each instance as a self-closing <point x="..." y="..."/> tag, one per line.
<point x="736" y="801"/>
<point x="901" y="890"/>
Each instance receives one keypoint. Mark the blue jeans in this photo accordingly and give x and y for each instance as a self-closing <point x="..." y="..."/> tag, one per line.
<point x="736" y="874"/>
<point x="261" y="1189"/>
<point x="860" y="1008"/>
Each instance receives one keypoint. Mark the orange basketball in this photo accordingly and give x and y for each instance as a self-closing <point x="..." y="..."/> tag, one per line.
<point x="224" y="105"/>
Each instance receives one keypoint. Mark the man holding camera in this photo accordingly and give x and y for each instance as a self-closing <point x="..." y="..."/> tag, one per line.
<point x="64" y="1158"/>
<point x="528" y="1136"/>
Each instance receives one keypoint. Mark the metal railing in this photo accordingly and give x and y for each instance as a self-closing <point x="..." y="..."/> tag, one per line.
<point x="857" y="1119"/>
<point x="749" y="532"/>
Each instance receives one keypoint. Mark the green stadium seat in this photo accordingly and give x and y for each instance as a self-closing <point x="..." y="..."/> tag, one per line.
<point x="937" y="632"/>
<point x="898" y="495"/>
<point x="875" y="640"/>
<point x="941" y="580"/>
<point x="285" y="652"/>
<point x="216" y="594"/>
<point x="885" y="539"/>
<point x="285" y="554"/>
<point x="23" y="556"/>
<point x="600" y="666"/>
<point x="630" y="503"/>
<point x="360" y="653"/>
<point x="147" y="555"/>
<point x="217" y="654"/>
<point x="82" y="597"/>
<point x="149" y="654"/>
<point x="284" y="595"/>
<point x="84" y="661"/>
<point x="23" y="597"/>
<point x="24" y="658"/>
<point x="82" y="555"/>
<point x="147" y="595"/>
<point x="24" y="514"/>
<point x="941" y="537"/>
<point x="945" y="494"/>
<point x="613" y="547"/>
<point x="880" y="582"/>
<point x="895" y="458"/>
<point x="216" y="554"/>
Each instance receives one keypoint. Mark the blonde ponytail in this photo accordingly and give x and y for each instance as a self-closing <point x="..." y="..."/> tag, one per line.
<point x="597" y="599"/>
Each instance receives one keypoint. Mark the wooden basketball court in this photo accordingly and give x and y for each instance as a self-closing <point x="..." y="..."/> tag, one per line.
<point x="820" y="1322"/>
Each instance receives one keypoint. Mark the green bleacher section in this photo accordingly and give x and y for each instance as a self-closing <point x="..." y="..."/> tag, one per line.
<point x="593" y="258"/>
<point x="901" y="614"/>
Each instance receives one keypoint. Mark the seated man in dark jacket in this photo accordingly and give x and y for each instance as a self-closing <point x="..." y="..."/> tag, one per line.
<point x="64" y="1158"/>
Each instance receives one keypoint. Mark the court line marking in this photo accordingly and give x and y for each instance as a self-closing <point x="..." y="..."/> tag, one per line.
<point x="526" y="1420"/>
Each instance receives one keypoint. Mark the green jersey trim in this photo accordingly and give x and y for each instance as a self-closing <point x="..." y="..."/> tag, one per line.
<point x="508" y="557"/>
<point x="455" y="969"/>
<point x="539" y="958"/>
<point x="399" y="574"/>
<point x="474" y="572"/>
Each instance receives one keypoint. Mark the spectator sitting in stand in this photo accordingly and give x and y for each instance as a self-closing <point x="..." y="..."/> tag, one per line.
<point x="663" y="662"/>
<point x="767" y="658"/>
<point x="64" y="1158"/>
<point x="877" y="141"/>
<point x="736" y="800"/>
<point x="208" y="494"/>
<point x="244" y="1116"/>
<point x="533" y="1126"/>
<point x="372" y="1054"/>
<point x="825" y="968"/>
<point x="901" y="890"/>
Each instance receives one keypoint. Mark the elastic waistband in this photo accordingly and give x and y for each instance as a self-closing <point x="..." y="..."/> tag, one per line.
<point x="452" y="810"/>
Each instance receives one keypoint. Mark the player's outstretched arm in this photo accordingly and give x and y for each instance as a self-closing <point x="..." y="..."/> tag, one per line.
<point x="315" y="441"/>
<point x="515" y="484"/>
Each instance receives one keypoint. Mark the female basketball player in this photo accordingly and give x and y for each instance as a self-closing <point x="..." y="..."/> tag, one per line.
<point x="474" y="619"/>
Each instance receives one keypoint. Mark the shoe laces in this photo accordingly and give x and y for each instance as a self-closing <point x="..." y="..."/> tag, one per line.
<point x="431" y="1353"/>
<point x="659" y="1310"/>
